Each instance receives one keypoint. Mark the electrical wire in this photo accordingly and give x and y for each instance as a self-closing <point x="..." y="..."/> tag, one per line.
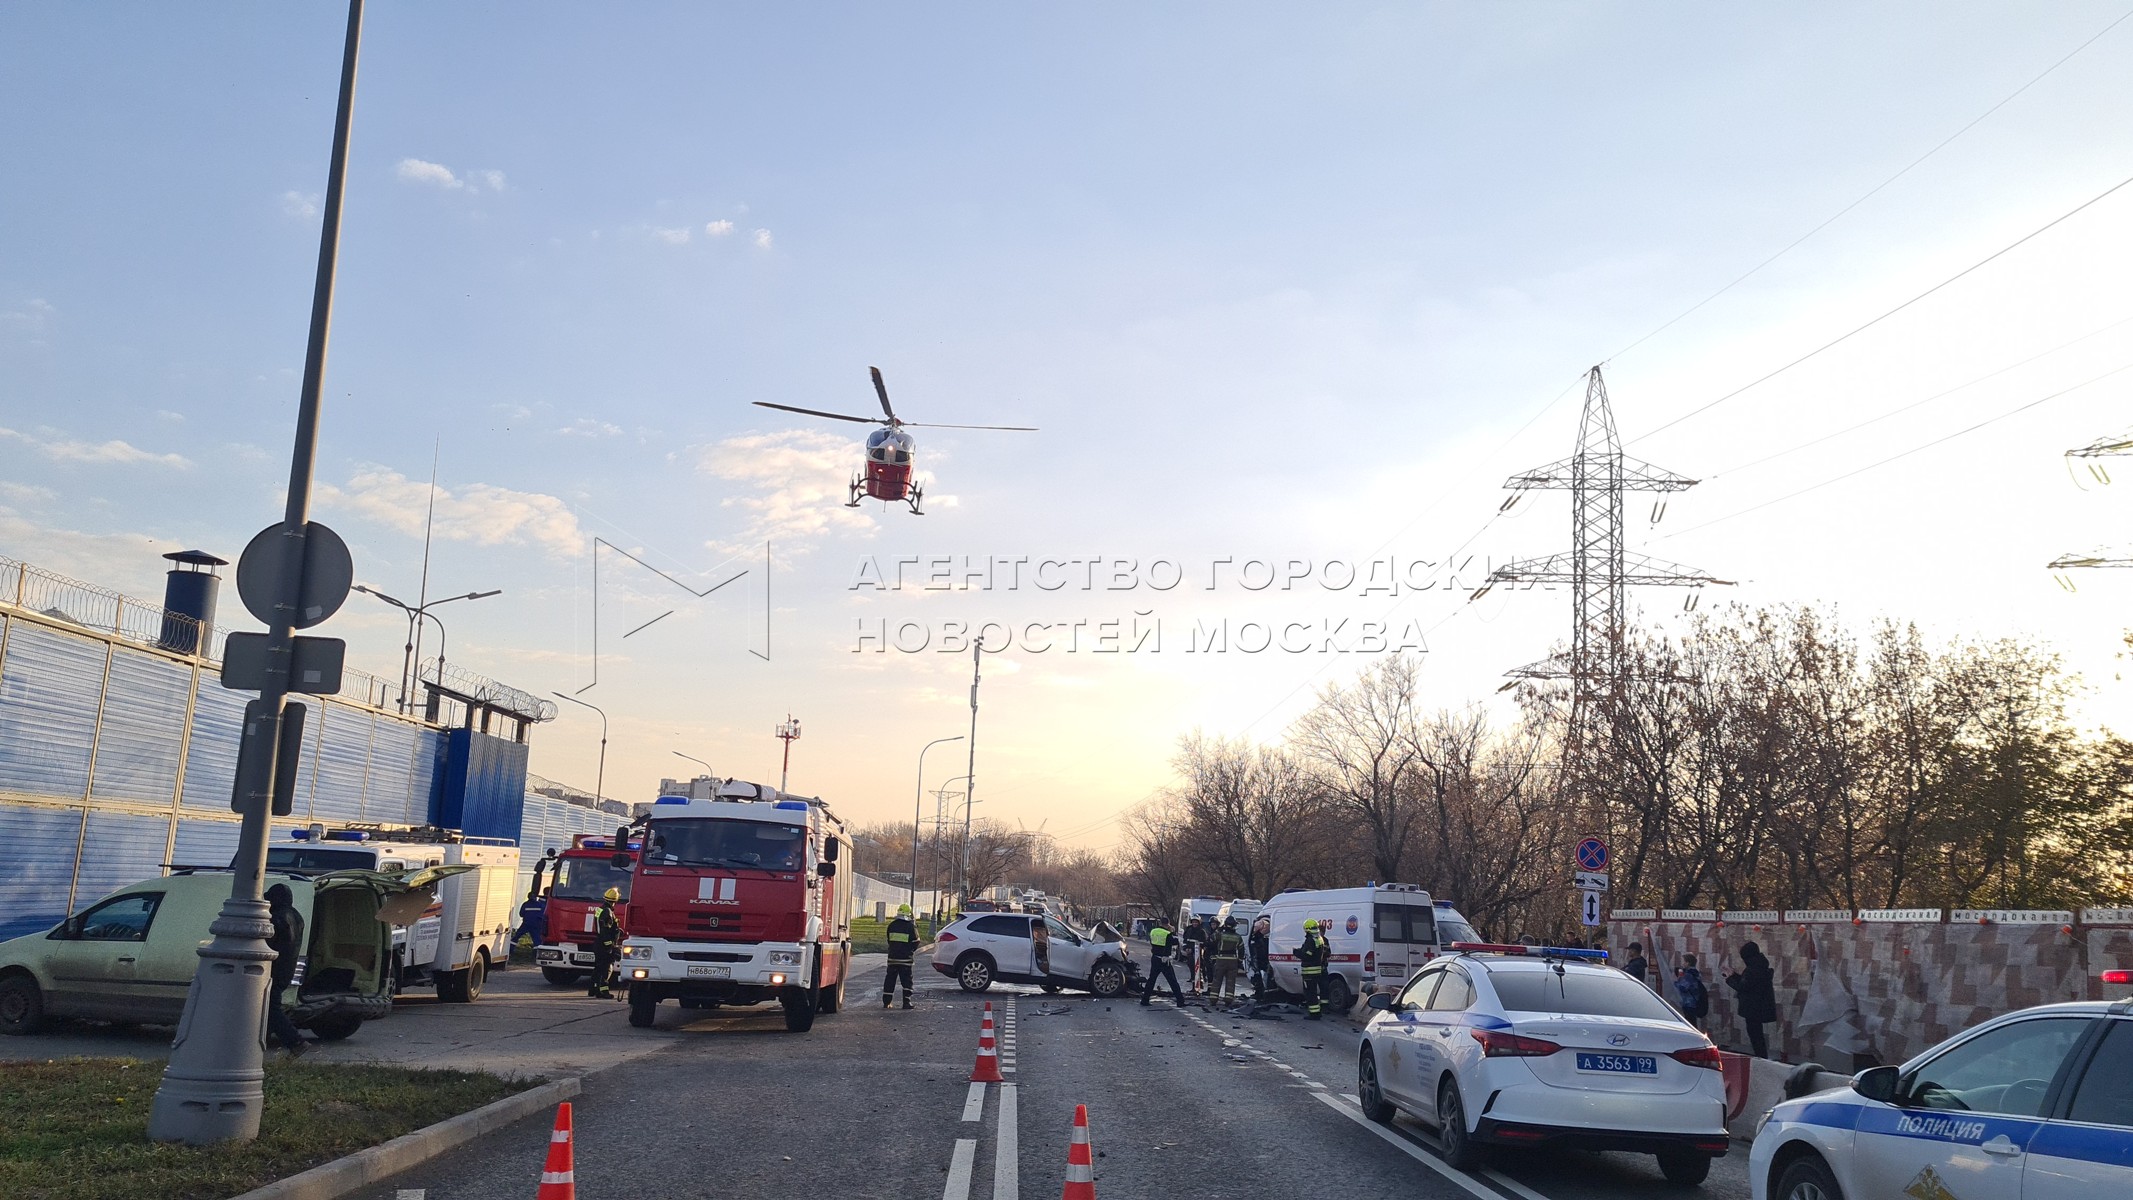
<point x="1944" y="438"/>
<point x="1845" y="337"/>
<point x="1871" y="193"/>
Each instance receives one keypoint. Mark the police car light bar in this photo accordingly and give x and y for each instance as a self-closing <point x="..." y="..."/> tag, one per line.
<point x="2118" y="977"/>
<point x="1531" y="951"/>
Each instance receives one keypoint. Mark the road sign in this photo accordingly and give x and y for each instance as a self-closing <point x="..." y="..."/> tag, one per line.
<point x="1589" y="907"/>
<point x="329" y="571"/>
<point x="314" y="670"/>
<point x="1591" y="881"/>
<point x="1592" y="855"/>
<point x="260" y="770"/>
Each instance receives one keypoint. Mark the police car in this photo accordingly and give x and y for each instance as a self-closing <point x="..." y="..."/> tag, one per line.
<point x="2035" y="1105"/>
<point x="1530" y="1046"/>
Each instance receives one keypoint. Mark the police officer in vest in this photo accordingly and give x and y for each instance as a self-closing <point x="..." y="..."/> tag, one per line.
<point x="1312" y="956"/>
<point x="607" y="946"/>
<point x="1160" y="945"/>
<point x="903" y="947"/>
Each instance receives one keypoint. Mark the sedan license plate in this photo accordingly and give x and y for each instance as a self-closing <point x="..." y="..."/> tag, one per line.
<point x="715" y="972"/>
<point x="1622" y="1064"/>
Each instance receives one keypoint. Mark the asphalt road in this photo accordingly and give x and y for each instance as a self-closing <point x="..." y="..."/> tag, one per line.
<point x="1182" y="1105"/>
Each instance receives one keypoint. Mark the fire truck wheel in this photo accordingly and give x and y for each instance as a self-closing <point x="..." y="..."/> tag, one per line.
<point x="831" y="998"/>
<point x="559" y="976"/>
<point x="799" y="1009"/>
<point x="644" y="1008"/>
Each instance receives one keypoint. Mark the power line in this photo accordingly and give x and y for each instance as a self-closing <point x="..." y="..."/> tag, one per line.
<point x="1845" y="337"/>
<point x="1919" y="403"/>
<point x="1871" y="193"/>
<point x="1902" y="454"/>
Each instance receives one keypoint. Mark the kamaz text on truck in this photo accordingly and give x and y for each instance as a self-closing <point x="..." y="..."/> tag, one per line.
<point x="583" y="874"/>
<point x="736" y="900"/>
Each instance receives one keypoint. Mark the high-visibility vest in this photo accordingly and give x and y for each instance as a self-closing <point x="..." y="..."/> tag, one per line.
<point x="1159" y="941"/>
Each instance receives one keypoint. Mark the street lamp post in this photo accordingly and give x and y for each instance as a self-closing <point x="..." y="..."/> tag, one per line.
<point x="916" y="800"/>
<point x="599" y="778"/>
<point x="699" y="762"/>
<point x="943" y="816"/>
<point x="970" y="786"/>
<point x="414" y="617"/>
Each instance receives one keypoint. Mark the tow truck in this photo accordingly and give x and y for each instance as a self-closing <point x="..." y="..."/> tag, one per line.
<point x="735" y="900"/>
<point x="583" y="873"/>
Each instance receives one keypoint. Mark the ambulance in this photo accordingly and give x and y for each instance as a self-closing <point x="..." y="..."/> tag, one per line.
<point x="1378" y="935"/>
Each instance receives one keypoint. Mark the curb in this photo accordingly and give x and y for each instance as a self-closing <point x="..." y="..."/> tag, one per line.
<point x="365" y="1167"/>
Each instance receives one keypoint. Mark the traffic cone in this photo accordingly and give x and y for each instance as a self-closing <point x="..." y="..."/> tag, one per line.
<point x="1081" y="1168"/>
<point x="558" y="1179"/>
<point x="987" y="1069"/>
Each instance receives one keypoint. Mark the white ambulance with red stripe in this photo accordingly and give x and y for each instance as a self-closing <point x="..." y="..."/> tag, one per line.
<point x="1378" y="936"/>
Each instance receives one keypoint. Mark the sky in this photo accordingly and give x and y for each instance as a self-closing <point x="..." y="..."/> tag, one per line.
<point x="1276" y="286"/>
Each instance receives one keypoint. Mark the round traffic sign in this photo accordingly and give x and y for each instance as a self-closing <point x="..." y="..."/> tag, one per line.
<point x="328" y="573"/>
<point x="1592" y="854"/>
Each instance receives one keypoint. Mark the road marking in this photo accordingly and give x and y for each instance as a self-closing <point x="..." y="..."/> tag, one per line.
<point x="966" y="1153"/>
<point x="974" y="1104"/>
<point x="1506" y="1181"/>
<point x="411" y="1194"/>
<point x="1410" y="1149"/>
<point x="1006" y="1150"/>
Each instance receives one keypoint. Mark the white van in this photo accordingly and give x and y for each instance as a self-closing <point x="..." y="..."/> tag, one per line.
<point x="1192" y="910"/>
<point x="1244" y="911"/>
<point x="1378" y="936"/>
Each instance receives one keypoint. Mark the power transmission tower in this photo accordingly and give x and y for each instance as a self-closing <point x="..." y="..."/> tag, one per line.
<point x="2110" y="447"/>
<point x="1598" y="569"/>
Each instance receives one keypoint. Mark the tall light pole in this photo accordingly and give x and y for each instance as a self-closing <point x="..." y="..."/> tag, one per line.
<point x="599" y="778"/>
<point x="415" y="613"/>
<point x="213" y="1088"/>
<point x="942" y="816"/>
<point x="699" y="762"/>
<point x="970" y="787"/>
<point x="917" y="799"/>
<point x="788" y="733"/>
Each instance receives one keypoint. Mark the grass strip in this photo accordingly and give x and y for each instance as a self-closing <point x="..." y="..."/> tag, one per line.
<point x="77" y="1129"/>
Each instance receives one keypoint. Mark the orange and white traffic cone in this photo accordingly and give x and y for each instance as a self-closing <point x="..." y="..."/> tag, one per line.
<point x="987" y="1069"/>
<point x="1081" y="1168"/>
<point x="559" y="1180"/>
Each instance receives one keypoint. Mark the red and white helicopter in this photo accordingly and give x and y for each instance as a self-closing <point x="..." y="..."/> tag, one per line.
<point x="888" y="467"/>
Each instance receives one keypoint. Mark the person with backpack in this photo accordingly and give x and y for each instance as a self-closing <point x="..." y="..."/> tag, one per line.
<point x="1756" y="987"/>
<point x="1690" y="995"/>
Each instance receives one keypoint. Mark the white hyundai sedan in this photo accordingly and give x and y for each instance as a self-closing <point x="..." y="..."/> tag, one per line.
<point x="1529" y="1046"/>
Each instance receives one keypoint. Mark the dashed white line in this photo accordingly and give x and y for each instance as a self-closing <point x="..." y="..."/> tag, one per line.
<point x="1007" y="1151"/>
<point x="1409" y="1148"/>
<point x="974" y="1103"/>
<point x="1503" y="1180"/>
<point x="958" y="1187"/>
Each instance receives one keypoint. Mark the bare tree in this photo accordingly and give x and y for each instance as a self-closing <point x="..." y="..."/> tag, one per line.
<point x="1355" y="742"/>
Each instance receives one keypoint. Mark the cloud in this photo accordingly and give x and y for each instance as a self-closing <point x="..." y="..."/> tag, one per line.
<point x="762" y="238"/>
<point x="26" y="493"/>
<point x="169" y="415"/>
<point x="416" y="170"/>
<point x="586" y="427"/>
<point x="795" y="481"/>
<point x="477" y="512"/>
<point x="673" y="237"/>
<point x="72" y="450"/>
<point x="718" y="228"/>
<point x="30" y="320"/>
<point x="297" y="204"/>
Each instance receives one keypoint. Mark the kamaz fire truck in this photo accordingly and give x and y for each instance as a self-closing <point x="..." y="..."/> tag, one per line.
<point x="736" y="900"/>
<point x="583" y="874"/>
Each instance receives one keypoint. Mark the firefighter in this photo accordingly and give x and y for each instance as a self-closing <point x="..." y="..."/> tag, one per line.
<point x="607" y="946"/>
<point x="1225" y="953"/>
<point x="903" y="946"/>
<point x="1311" y="956"/>
<point x="1159" y="948"/>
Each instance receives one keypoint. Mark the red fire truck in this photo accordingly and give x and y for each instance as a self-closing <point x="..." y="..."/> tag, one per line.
<point x="583" y="874"/>
<point x="736" y="900"/>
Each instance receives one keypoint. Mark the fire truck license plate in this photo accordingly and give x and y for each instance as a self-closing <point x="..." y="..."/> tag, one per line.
<point x="713" y="970"/>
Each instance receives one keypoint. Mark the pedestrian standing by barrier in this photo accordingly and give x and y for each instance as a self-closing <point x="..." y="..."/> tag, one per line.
<point x="1692" y="998"/>
<point x="1225" y="954"/>
<point x="1159" y="948"/>
<point x="1754" y="985"/>
<point x="1262" y="966"/>
<point x="903" y="947"/>
<point x="607" y="946"/>
<point x="1636" y="967"/>
<point x="287" y="943"/>
<point x="1311" y="957"/>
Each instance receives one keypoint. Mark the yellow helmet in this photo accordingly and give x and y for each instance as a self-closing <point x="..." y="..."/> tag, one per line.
<point x="903" y="910"/>
<point x="611" y="894"/>
<point x="1310" y="924"/>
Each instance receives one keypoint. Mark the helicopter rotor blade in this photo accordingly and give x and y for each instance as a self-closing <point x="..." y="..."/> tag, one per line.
<point x="816" y="412"/>
<point x="882" y="390"/>
<point x="1000" y="428"/>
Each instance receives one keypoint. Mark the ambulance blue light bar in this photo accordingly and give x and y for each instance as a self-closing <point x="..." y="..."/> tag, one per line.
<point x="798" y="804"/>
<point x="1529" y="951"/>
<point x="672" y="800"/>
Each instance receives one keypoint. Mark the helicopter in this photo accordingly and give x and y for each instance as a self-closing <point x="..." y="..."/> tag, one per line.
<point x="887" y="474"/>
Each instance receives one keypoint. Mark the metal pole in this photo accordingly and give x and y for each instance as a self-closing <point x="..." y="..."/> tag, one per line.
<point x="600" y="778"/>
<point x="916" y="800"/>
<point x="213" y="1087"/>
<point x="970" y="785"/>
